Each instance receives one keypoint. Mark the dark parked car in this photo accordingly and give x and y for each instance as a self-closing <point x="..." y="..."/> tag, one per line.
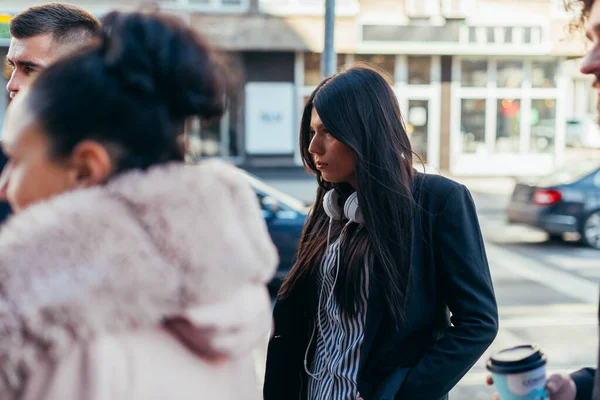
<point x="285" y="217"/>
<point x="568" y="200"/>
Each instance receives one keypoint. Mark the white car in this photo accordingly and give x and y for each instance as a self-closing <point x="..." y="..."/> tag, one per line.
<point x="584" y="132"/>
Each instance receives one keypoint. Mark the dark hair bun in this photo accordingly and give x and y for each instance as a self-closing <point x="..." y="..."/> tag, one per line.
<point x="159" y="56"/>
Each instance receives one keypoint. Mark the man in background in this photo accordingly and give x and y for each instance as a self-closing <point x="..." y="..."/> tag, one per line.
<point x="39" y="36"/>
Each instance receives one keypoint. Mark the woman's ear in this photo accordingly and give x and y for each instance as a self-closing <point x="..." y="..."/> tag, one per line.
<point x="92" y="164"/>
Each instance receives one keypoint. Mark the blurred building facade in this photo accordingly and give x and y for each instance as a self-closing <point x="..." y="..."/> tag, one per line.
<point x="486" y="87"/>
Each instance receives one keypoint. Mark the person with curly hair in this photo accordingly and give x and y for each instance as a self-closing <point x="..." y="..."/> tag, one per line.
<point x="116" y="244"/>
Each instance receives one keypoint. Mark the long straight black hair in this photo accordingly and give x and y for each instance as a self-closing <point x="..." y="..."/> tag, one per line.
<point x="360" y="109"/>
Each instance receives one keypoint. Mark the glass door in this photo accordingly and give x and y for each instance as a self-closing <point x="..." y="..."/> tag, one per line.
<point x="417" y="125"/>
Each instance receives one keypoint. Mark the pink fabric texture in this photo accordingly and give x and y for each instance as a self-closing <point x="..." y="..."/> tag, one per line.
<point x="87" y="278"/>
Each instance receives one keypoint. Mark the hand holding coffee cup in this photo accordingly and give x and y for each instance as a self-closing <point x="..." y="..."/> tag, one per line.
<point x="560" y="387"/>
<point x="519" y="373"/>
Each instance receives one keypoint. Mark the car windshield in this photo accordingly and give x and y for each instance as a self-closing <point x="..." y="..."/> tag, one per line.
<point x="570" y="173"/>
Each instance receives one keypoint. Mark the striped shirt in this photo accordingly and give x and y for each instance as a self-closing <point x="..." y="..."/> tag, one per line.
<point x="338" y="345"/>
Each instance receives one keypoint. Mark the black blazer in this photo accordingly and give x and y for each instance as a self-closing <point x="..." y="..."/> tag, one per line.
<point x="584" y="380"/>
<point x="587" y="380"/>
<point x="427" y="355"/>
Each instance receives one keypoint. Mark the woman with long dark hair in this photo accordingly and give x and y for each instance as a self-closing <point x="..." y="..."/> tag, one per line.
<point x="386" y="256"/>
<point x="113" y="235"/>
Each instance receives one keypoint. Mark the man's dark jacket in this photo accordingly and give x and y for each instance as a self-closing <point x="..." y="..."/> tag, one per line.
<point x="587" y="380"/>
<point x="4" y="207"/>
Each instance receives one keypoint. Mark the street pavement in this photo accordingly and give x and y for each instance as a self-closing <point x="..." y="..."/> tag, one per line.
<point x="547" y="291"/>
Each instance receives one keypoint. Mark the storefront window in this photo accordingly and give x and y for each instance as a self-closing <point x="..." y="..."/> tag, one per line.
<point x="508" y="128"/>
<point x="474" y="73"/>
<point x="203" y="139"/>
<point x="473" y="125"/>
<point x="312" y="68"/>
<point x="543" y="125"/>
<point x="386" y="63"/>
<point x="418" y="126"/>
<point x="419" y="70"/>
<point x="544" y="74"/>
<point x="508" y="34"/>
<point x="510" y="74"/>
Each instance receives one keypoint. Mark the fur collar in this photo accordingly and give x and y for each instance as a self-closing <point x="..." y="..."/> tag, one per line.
<point x="125" y="255"/>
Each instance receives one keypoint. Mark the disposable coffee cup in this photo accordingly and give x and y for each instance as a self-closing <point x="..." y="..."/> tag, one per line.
<point x="519" y="373"/>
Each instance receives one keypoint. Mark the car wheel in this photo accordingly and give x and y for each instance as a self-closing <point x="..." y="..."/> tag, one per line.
<point x="590" y="232"/>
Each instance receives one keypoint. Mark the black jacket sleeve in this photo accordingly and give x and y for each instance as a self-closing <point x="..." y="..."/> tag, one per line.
<point x="285" y="355"/>
<point x="584" y="380"/>
<point x="466" y="286"/>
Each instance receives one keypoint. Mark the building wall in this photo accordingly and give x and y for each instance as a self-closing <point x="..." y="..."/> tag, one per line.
<point x="275" y="43"/>
<point x="263" y="25"/>
<point x="92" y="5"/>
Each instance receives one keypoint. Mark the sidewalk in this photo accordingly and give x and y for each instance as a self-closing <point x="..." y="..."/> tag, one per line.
<point x="491" y="195"/>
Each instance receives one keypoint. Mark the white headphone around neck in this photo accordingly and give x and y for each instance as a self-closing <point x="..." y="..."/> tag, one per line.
<point x="334" y="212"/>
<point x="351" y="209"/>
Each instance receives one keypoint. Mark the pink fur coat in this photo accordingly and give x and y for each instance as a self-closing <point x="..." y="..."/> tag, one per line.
<point x="87" y="278"/>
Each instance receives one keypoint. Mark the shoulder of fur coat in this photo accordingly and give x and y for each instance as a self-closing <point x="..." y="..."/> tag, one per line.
<point x="125" y="255"/>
